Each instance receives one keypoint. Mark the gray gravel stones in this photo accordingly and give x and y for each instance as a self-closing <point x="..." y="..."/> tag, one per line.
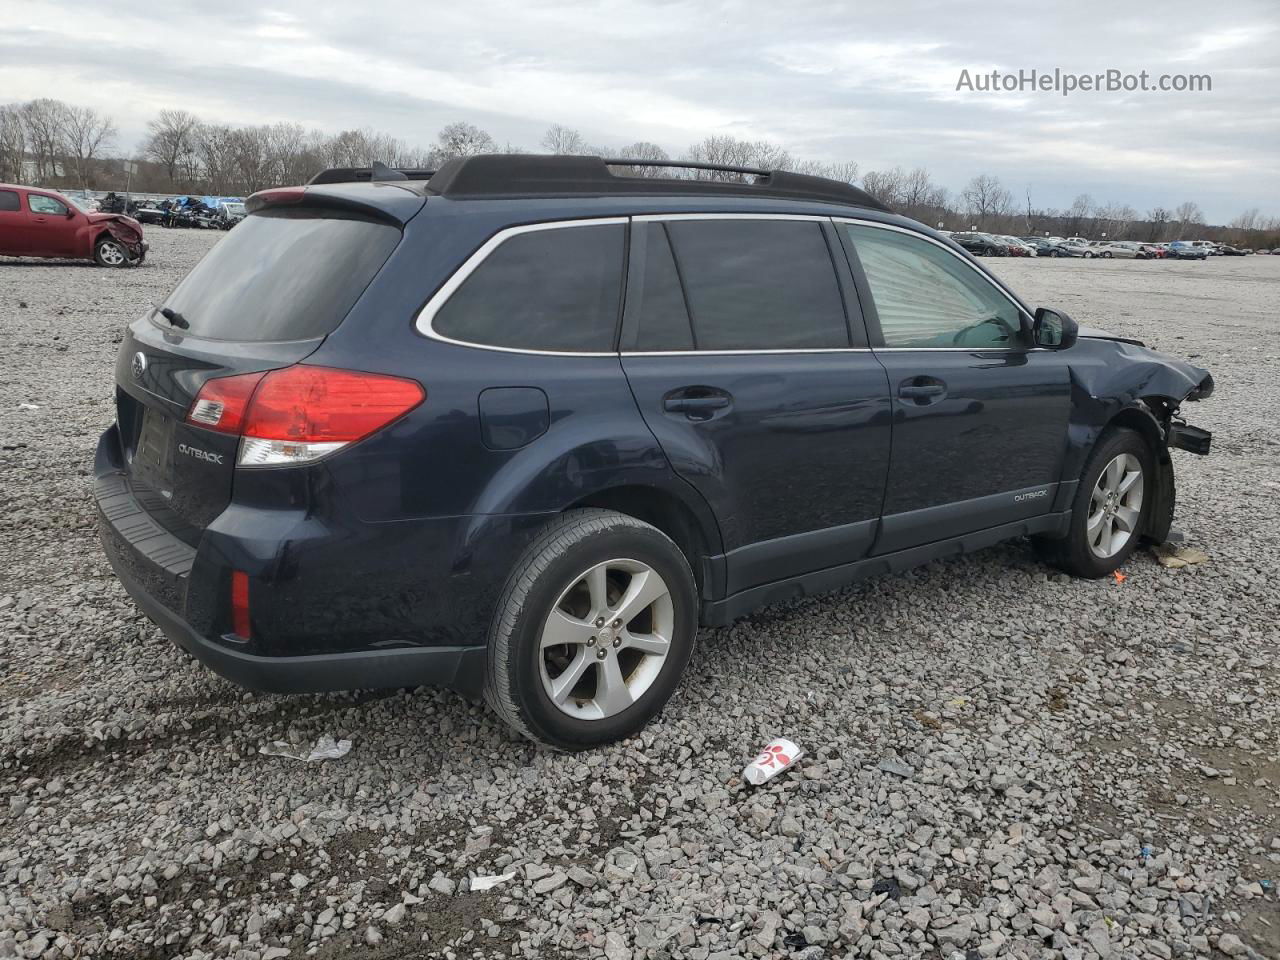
<point x="1000" y="761"/>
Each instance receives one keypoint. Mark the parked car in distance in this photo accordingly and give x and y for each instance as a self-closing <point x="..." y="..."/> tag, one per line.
<point x="1048" y="247"/>
<point x="1124" y="249"/>
<point x="230" y="212"/>
<point x="1184" y="250"/>
<point x="1226" y="250"/>
<point x="413" y="431"/>
<point x="1016" y="247"/>
<point x="981" y="244"/>
<point x="1076" y="249"/>
<point x="35" y="222"/>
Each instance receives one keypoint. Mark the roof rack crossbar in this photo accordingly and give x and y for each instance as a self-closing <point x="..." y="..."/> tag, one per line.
<point x="533" y="175"/>
<point x="492" y="176"/>
<point x="684" y="165"/>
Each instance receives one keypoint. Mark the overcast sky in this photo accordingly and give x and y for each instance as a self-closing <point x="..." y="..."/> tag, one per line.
<point x="871" y="82"/>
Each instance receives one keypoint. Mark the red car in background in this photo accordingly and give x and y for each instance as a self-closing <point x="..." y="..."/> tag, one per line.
<point x="44" y="223"/>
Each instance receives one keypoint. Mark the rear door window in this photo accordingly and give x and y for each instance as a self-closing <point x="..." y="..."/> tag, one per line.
<point x="9" y="201"/>
<point x="282" y="275"/>
<point x="556" y="288"/>
<point x="759" y="284"/>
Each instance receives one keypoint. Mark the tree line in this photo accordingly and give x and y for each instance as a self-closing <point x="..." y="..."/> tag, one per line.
<point x="48" y="142"/>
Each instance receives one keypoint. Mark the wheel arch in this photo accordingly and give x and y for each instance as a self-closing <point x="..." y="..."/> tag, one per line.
<point x="695" y="535"/>
<point x="1148" y="417"/>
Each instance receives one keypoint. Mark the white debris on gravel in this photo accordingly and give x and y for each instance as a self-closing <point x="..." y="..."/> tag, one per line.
<point x="1002" y="761"/>
<point x="325" y="748"/>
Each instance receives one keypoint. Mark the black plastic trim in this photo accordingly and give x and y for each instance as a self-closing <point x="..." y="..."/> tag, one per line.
<point x="457" y="668"/>
<point x="722" y="612"/>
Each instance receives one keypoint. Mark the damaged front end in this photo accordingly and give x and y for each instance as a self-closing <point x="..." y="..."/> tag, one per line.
<point x="1121" y="382"/>
<point x="129" y="234"/>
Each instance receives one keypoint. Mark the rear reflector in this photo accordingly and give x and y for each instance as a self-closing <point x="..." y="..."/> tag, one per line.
<point x="240" y="604"/>
<point x="301" y="413"/>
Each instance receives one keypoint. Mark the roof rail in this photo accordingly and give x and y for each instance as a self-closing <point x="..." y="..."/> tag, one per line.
<point x="377" y="172"/>
<point x="529" y="175"/>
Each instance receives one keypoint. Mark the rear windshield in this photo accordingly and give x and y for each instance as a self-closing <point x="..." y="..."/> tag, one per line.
<point x="282" y="275"/>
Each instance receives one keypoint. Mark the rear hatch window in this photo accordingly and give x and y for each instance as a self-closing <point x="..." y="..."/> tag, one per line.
<point x="282" y="275"/>
<point x="264" y="297"/>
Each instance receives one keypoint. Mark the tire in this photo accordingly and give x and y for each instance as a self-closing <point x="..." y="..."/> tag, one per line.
<point x="1088" y="256"/>
<point x="110" y="252"/>
<point x="606" y="681"/>
<point x="1055" y="253"/>
<point x="1076" y="553"/>
<point x="1107" y="255"/>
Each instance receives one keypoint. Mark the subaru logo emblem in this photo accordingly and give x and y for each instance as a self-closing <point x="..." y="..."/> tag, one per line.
<point x="139" y="365"/>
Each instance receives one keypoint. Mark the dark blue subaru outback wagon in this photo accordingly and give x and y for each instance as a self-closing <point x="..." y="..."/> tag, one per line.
<point x="520" y="425"/>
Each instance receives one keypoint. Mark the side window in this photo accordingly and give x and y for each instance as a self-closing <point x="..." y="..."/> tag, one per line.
<point x="553" y="289"/>
<point x="8" y="201"/>
<point x="759" y="284"/>
<point x="926" y="297"/>
<point x="661" y="313"/>
<point x="42" y="204"/>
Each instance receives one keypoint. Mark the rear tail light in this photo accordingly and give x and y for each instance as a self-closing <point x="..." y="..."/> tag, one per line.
<point x="301" y="413"/>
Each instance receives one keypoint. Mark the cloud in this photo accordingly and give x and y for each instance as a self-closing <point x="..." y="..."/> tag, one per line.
<point x="830" y="80"/>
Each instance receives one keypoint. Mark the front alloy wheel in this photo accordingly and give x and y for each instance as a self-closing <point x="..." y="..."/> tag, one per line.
<point x="1115" y="507"/>
<point x="110" y="253"/>
<point x="1110" y="507"/>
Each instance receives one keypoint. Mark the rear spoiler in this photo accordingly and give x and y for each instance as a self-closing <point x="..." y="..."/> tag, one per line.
<point x="394" y="206"/>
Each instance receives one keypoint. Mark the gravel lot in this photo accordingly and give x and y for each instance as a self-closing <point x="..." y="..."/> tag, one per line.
<point x="1000" y="761"/>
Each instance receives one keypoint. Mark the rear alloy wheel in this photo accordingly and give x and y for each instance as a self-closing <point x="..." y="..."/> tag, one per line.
<point x="1109" y="513"/>
<point x="109" y="252"/>
<point x="593" y="632"/>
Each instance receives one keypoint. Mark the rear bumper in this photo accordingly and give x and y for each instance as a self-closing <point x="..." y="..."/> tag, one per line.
<point x="327" y="613"/>
<point x="458" y="668"/>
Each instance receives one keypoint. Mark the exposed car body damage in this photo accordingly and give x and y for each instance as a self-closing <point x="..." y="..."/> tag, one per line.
<point x="124" y="229"/>
<point x="1144" y="392"/>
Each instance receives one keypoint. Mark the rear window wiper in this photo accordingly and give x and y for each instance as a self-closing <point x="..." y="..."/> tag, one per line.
<point x="174" y="317"/>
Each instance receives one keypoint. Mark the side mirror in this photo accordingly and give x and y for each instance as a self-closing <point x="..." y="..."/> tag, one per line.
<point x="1054" y="330"/>
<point x="70" y="214"/>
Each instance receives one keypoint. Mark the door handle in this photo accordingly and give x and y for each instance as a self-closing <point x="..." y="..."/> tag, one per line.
<point x="697" y="404"/>
<point x="922" y="390"/>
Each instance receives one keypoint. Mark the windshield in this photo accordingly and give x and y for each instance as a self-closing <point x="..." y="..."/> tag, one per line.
<point x="282" y="275"/>
<point x="234" y="207"/>
<point x="82" y="204"/>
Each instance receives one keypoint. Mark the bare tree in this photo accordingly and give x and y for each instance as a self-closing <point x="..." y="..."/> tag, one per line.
<point x="732" y="152"/>
<point x="1187" y="214"/>
<point x="642" y="150"/>
<point x="1158" y="217"/>
<point x="885" y="185"/>
<point x="216" y="149"/>
<point x="461" y="139"/>
<point x="171" y="142"/>
<point x="85" y="134"/>
<point x="564" y="140"/>
<point x="985" y="198"/>
<point x="1081" y="208"/>
<point x="13" y="144"/>
<point x="42" y="121"/>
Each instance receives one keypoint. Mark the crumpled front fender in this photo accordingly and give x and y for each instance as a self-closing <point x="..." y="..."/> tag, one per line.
<point x="129" y="238"/>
